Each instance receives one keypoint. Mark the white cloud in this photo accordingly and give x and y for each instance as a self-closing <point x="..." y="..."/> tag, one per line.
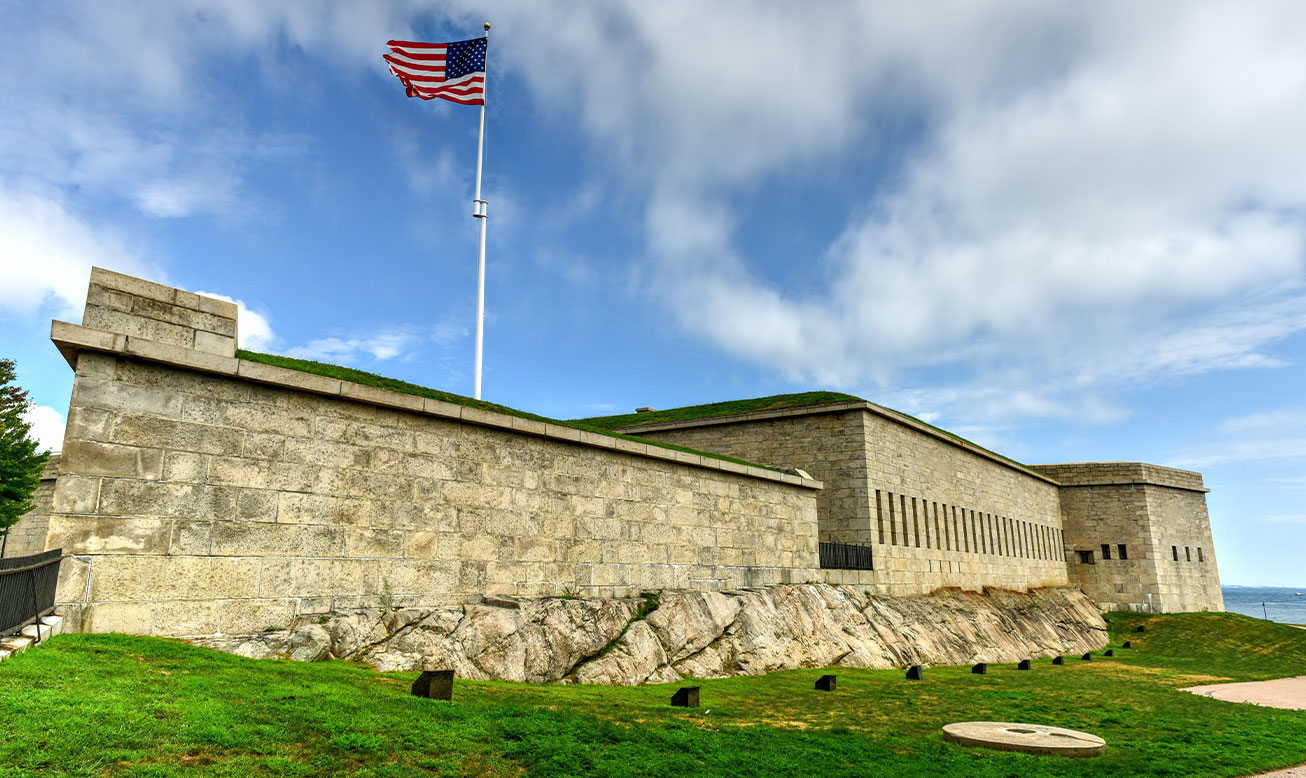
<point x="1272" y="421"/>
<point x="379" y="346"/>
<point x="449" y="332"/>
<point x="1097" y="195"/>
<point x="1286" y="518"/>
<point x="1090" y="195"/>
<point x="47" y="427"/>
<point x="1255" y="450"/>
<point x="135" y="114"/>
<point x="253" y="330"/>
<point x="429" y="173"/>
<point x="1278" y="435"/>
<point x="46" y="255"/>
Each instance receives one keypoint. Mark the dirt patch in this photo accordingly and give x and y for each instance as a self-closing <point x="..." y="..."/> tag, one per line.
<point x="1179" y="678"/>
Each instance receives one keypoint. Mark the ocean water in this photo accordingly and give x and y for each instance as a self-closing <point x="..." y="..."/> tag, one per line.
<point x="1273" y="602"/>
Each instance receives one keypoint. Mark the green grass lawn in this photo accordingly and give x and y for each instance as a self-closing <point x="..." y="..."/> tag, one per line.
<point x="109" y="705"/>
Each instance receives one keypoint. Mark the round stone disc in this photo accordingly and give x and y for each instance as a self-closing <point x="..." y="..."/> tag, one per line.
<point x="1029" y="738"/>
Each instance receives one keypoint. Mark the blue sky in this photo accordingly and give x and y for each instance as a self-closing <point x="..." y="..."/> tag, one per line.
<point x="1067" y="231"/>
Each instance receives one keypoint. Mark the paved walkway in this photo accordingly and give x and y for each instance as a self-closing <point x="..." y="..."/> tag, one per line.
<point x="1292" y="772"/>
<point x="1279" y="693"/>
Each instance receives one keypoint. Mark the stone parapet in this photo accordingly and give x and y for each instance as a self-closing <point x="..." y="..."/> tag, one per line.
<point x="142" y="309"/>
<point x="73" y="339"/>
<point x="1121" y="473"/>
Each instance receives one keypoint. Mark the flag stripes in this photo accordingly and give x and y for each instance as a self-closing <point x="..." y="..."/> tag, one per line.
<point x="450" y="71"/>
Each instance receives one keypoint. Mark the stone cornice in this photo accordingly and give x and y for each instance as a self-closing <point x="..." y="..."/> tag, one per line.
<point x="1088" y="474"/>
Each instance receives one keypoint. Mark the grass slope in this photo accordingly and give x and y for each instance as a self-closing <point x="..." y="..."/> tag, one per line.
<point x="728" y="408"/>
<point x="109" y="705"/>
<point x="403" y="387"/>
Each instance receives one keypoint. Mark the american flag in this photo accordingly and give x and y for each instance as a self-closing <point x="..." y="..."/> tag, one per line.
<point x="450" y="71"/>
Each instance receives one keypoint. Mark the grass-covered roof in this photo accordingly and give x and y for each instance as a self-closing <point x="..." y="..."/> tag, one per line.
<point x="602" y="425"/>
<point x="403" y="387"/>
<point x="728" y="408"/>
<point x="771" y="403"/>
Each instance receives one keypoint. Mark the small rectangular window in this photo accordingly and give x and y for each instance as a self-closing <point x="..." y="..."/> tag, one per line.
<point x="1188" y="554"/>
<point x="1174" y="552"/>
<point x="1124" y="551"/>
<point x="1106" y="550"/>
<point x="915" y="523"/>
<point x="879" y="514"/>
<point x="1085" y="557"/>
<point x="1199" y="554"/>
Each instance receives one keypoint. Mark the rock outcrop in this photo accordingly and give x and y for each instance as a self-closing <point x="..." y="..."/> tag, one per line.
<point x="664" y="637"/>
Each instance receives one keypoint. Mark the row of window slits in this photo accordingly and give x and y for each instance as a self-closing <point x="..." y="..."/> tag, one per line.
<point x="1086" y="557"/>
<point x="929" y="524"/>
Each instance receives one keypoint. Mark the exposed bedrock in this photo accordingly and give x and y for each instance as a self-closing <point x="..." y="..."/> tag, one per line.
<point x="662" y="638"/>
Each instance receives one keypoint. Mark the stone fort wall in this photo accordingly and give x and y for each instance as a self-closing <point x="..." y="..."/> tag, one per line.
<point x="202" y="494"/>
<point x="28" y="535"/>
<point x="940" y="511"/>
<point x="1138" y="536"/>
<point x="935" y="510"/>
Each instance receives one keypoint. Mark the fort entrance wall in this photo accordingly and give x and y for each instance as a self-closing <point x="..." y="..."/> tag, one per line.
<point x="200" y="493"/>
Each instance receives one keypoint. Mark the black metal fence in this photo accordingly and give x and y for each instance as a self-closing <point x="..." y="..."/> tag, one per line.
<point x="27" y="586"/>
<point x="845" y="556"/>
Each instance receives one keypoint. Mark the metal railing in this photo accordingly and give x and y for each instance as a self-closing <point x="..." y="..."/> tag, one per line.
<point x="845" y="556"/>
<point x="27" y="585"/>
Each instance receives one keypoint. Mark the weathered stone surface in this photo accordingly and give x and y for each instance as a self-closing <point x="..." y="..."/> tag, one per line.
<point x="1025" y="738"/>
<point x="936" y="510"/>
<point x="691" y="633"/>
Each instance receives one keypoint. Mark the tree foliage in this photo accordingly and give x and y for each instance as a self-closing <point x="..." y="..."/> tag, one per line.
<point x="20" y="465"/>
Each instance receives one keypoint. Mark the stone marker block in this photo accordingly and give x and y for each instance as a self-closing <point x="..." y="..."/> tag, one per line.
<point x="981" y="668"/>
<point x="1141" y="628"/>
<point x="434" y="684"/>
<point x="685" y="697"/>
<point x="1109" y="652"/>
<point x="1024" y="665"/>
<point x="826" y="683"/>
<point x="1058" y="660"/>
<point x="1087" y="657"/>
<point x="1128" y="644"/>
<point x="915" y="673"/>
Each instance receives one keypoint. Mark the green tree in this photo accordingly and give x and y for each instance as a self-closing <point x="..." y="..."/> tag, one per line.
<point x="20" y="465"/>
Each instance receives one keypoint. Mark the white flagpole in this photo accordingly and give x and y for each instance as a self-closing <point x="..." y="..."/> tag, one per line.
<point x="478" y="210"/>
